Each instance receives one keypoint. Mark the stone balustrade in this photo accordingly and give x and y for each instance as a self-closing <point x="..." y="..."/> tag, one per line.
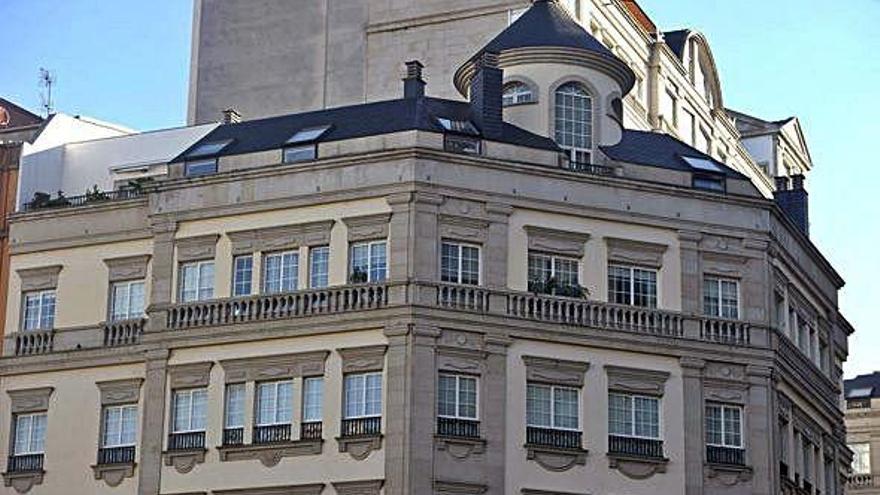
<point x="858" y="481"/>
<point x="107" y="334"/>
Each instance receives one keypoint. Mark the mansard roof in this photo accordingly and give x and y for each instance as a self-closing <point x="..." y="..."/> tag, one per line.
<point x="370" y="119"/>
<point x="863" y="386"/>
<point x="676" y="41"/>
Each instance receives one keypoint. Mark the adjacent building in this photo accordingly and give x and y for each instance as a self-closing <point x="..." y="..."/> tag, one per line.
<point x="482" y="281"/>
<point x="863" y="432"/>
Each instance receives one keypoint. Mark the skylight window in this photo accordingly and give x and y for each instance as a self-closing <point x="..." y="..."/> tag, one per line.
<point x="859" y="393"/>
<point x="702" y="164"/>
<point x="209" y="148"/>
<point x="458" y="126"/>
<point x="308" y="134"/>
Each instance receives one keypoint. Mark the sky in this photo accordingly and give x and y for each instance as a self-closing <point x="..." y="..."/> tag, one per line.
<point x="127" y="62"/>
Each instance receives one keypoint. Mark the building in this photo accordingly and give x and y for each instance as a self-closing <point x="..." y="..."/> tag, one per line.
<point x="863" y="432"/>
<point x="513" y="293"/>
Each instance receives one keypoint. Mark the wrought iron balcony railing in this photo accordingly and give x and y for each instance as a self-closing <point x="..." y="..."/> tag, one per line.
<point x="636" y="447"/>
<point x="361" y="427"/>
<point x="233" y="436"/>
<point x="271" y="433"/>
<point x="455" y="427"/>
<point x="312" y="430"/>
<point x="186" y="441"/>
<point x="25" y="463"/>
<point x="552" y="437"/>
<point x="727" y="455"/>
<point x="116" y="455"/>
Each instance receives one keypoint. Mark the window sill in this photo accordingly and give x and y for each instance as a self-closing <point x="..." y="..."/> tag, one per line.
<point x="23" y="481"/>
<point x="556" y="459"/>
<point x="270" y="454"/>
<point x="460" y="447"/>
<point x="359" y="447"/>
<point x="114" y="474"/>
<point x="637" y="467"/>
<point x="184" y="460"/>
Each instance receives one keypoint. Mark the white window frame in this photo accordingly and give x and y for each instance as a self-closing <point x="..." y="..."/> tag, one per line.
<point x="553" y="268"/>
<point x="517" y="93"/>
<point x="861" y="449"/>
<point x="458" y="378"/>
<point x="122" y="410"/>
<point x="363" y="376"/>
<point x="575" y="151"/>
<point x="128" y="284"/>
<point x="632" y="399"/>
<point x="305" y="400"/>
<point x="369" y="245"/>
<point x="231" y="390"/>
<point x="30" y="434"/>
<point x="724" y="408"/>
<point x="553" y="389"/>
<point x="281" y="271"/>
<point x="719" y="282"/>
<point x="458" y="270"/>
<point x="191" y="392"/>
<point x="312" y="261"/>
<point x="41" y="309"/>
<point x="236" y="273"/>
<point x="632" y="283"/>
<point x="200" y="267"/>
<point x="275" y="409"/>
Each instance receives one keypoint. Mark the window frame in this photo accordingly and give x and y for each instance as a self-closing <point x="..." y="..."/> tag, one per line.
<point x="364" y="376"/>
<point x="458" y="377"/>
<point x="112" y="316"/>
<point x="235" y="274"/>
<point x="516" y="98"/>
<point x="325" y="250"/>
<point x="241" y="387"/>
<point x="208" y="164"/>
<point x="369" y="245"/>
<point x="188" y="391"/>
<point x="718" y="281"/>
<point x="105" y="410"/>
<point x="724" y="433"/>
<point x="305" y="399"/>
<point x="553" y="388"/>
<point x="573" y="152"/>
<point x="632" y="399"/>
<point x="30" y="441"/>
<point x="40" y="294"/>
<point x="299" y="151"/>
<point x="281" y="272"/>
<point x="181" y="280"/>
<point x="866" y="453"/>
<point x="276" y="384"/>
<point x="554" y="258"/>
<point x="458" y="270"/>
<point x="632" y="284"/>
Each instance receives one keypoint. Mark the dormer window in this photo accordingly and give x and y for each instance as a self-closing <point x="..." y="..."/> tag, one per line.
<point x="202" y="160"/>
<point x="303" y="146"/>
<point x="295" y="154"/>
<point x="573" y="120"/>
<point x="517" y="93"/>
<point x="461" y="137"/>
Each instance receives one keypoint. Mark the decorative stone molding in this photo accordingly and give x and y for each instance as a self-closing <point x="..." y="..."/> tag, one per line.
<point x="367" y="487"/>
<point x="784" y="406"/>
<point x="363" y="359"/>
<point x="555" y="371"/>
<point x="184" y="461"/>
<point x="30" y="400"/>
<point x="190" y="375"/>
<point x="529" y="491"/>
<point x="467" y="229"/>
<point x="460" y="448"/>
<point x="279" y="238"/>
<point x="556" y="241"/>
<point x="117" y="392"/>
<point x="635" y="252"/>
<point x="727" y="475"/>
<point x="271" y="454"/>
<point x="443" y="487"/>
<point x="725" y="392"/>
<point x="367" y="227"/>
<point x="42" y="278"/>
<point x="274" y="367"/>
<point x="634" y="380"/>
<point x="724" y="265"/>
<point x="555" y="459"/>
<point x="310" y="489"/>
<point x="23" y="482"/>
<point x="359" y="448"/>
<point x="197" y="248"/>
<point x="637" y="468"/>
<point x="127" y="268"/>
<point x="460" y="361"/>
<point x="725" y="371"/>
<point x="113" y="474"/>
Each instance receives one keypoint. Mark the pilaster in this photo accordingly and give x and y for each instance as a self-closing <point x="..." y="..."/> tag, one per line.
<point x="153" y="422"/>
<point x="760" y="419"/>
<point x="692" y="385"/>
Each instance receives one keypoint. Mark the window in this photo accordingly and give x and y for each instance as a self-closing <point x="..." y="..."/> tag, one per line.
<point x="463" y="145"/>
<point x="457" y="396"/>
<point x="120" y="426"/>
<point x="550" y="406"/>
<point x="127" y="300"/>
<point x="368" y="262"/>
<point x="319" y="260"/>
<point x="201" y="167"/>
<point x="197" y="281"/>
<point x="553" y="274"/>
<point x="686" y="130"/>
<point x="460" y="263"/>
<point x="234" y="414"/>
<point x="517" y="93"/>
<point x="242" y="275"/>
<point x="724" y="426"/>
<point x="669" y="106"/>
<point x="363" y="395"/>
<point x="313" y="399"/>
<point x="721" y="297"/>
<point x="295" y="154"/>
<point x="39" y="310"/>
<point x="274" y="403"/>
<point x="30" y="434"/>
<point x="807" y="457"/>
<point x="308" y="135"/>
<point x="632" y="286"/>
<point x="208" y="148"/>
<point x="189" y="408"/>
<point x="709" y="183"/>
<point x="861" y="463"/>
<point x="280" y="272"/>
<point x="633" y="416"/>
<point x="573" y="117"/>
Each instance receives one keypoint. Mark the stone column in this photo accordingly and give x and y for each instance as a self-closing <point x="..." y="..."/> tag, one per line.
<point x="396" y="418"/>
<point x="153" y="423"/>
<point x="759" y="422"/>
<point x="494" y="415"/>
<point x="692" y="387"/>
<point x="162" y="272"/>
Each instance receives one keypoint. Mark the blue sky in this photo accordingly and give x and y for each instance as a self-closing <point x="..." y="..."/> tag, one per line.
<point x="127" y="61"/>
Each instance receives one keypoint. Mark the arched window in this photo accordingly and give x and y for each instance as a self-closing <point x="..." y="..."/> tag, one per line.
<point x="573" y="117"/>
<point x="516" y="93"/>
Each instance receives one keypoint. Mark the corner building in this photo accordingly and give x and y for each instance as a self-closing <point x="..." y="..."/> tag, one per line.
<point x="513" y="294"/>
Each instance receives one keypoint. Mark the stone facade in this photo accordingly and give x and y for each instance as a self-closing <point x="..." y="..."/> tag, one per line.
<point x="863" y="433"/>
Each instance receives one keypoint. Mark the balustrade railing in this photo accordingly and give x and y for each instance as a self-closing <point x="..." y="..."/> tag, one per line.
<point x="123" y="332"/>
<point x="552" y="437"/>
<point x="29" y="342"/>
<point x="466" y="297"/>
<point x="359" y="427"/>
<point x="313" y="430"/>
<point x="25" y="463"/>
<point x="233" y="436"/>
<point x="454" y="427"/>
<point x="637" y="447"/>
<point x="116" y="455"/>
<point x="186" y="441"/>
<point x="862" y="481"/>
<point x="277" y="306"/>
<point x="726" y="455"/>
<point x="725" y="331"/>
<point x="271" y="433"/>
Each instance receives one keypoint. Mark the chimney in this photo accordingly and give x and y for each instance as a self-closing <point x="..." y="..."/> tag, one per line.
<point x="231" y="116"/>
<point x="794" y="201"/>
<point x="485" y="93"/>
<point x="413" y="84"/>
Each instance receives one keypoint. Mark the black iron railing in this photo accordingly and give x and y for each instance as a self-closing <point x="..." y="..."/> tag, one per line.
<point x="551" y="437"/>
<point x="233" y="436"/>
<point x="116" y="455"/>
<point x="455" y="427"/>
<point x="313" y="430"/>
<point x="727" y="455"/>
<point x="45" y="201"/>
<point x="637" y="447"/>
<point x="272" y="433"/>
<point x="186" y="441"/>
<point x="24" y="463"/>
<point x="359" y="427"/>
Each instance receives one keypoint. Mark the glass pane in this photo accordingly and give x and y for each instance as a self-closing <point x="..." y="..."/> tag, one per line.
<point x="538" y="405"/>
<point x="47" y="309"/>
<point x="449" y="261"/>
<point x="732" y="421"/>
<point x="320" y="258"/>
<point x="354" y="396"/>
<point x="112" y="426"/>
<point x="540" y="270"/>
<point x="289" y="271"/>
<point x="189" y="280"/>
<point x="136" y="300"/>
<point x="284" y="406"/>
<point x="711" y="297"/>
<point x="206" y="281"/>
<point x="242" y="275"/>
<point x="128" y="435"/>
<point x="714" y="426"/>
<point x="120" y="301"/>
<point x="266" y="399"/>
<point x="619" y="288"/>
<point x="566" y="272"/>
<point x="446" y="396"/>
<point x="467" y="397"/>
<point x="374" y="395"/>
<point x="647" y="417"/>
<point x="32" y="312"/>
<point x="199" y="409"/>
<point x="470" y="265"/>
<point x="729" y="299"/>
<point x="378" y="263"/>
<point x="313" y="399"/>
<point x="645" y="288"/>
<point x="235" y="405"/>
<point x="22" y="434"/>
<point x="620" y="415"/>
<point x="38" y="433"/>
<point x="565" y="408"/>
<point x="182" y="407"/>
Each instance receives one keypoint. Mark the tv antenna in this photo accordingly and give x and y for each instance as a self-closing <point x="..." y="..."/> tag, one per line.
<point x="47" y="80"/>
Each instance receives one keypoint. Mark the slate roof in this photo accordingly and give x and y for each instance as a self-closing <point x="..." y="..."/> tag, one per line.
<point x="859" y="385"/>
<point x="356" y="121"/>
<point x="676" y="40"/>
<point x="661" y="150"/>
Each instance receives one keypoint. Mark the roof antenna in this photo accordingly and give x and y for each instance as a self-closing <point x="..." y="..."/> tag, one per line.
<point x="47" y="79"/>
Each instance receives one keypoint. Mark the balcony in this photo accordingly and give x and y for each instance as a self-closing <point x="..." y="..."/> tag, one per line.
<point x="635" y="447"/>
<point x="459" y="428"/>
<point x="860" y="481"/>
<point x="266" y="434"/>
<point x="233" y="436"/>
<point x="727" y="455"/>
<point x="43" y="201"/>
<point x="552" y="437"/>
<point x="108" y="334"/>
<point x="116" y="455"/>
<point x="361" y="427"/>
<point x="313" y="430"/>
<point x="29" y="463"/>
<point x="194" y="440"/>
